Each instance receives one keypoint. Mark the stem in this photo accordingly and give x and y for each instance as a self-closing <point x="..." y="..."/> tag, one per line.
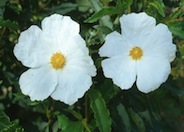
<point x="86" y="108"/>
<point x="86" y="119"/>
<point x="129" y="9"/>
<point x="84" y="122"/>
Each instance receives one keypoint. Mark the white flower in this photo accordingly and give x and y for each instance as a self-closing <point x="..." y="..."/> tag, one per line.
<point x="142" y="53"/>
<point x="58" y="58"/>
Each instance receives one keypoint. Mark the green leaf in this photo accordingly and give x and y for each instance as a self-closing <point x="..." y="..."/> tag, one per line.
<point x="64" y="121"/>
<point x="101" y="113"/>
<point x="2" y="3"/>
<point x="105" y="20"/>
<point x="159" y="5"/>
<point x="177" y="29"/>
<point x="7" y="126"/>
<point x="176" y="14"/>
<point x="108" y="90"/>
<point x="83" y="5"/>
<point x="4" y="120"/>
<point x="76" y="126"/>
<point x="68" y="125"/>
<point x="137" y="120"/>
<point x="146" y="115"/>
<point x="101" y="13"/>
<point x="8" y="24"/>
<point x="124" y="116"/>
<point x="105" y="30"/>
<point x="11" y="127"/>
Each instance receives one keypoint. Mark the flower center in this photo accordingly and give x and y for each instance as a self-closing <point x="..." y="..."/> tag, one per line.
<point x="57" y="60"/>
<point x="136" y="53"/>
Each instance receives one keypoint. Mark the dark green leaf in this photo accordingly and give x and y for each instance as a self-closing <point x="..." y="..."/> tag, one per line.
<point x="137" y="120"/>
<point x="146" y="115"/>
<point x="4" y="120"/>
<point x="108" y="90"/>
<point x="7" y="126"/>
<point x="8" y="24"/>
<point x="2" y="5"/>
<point x="12" y="127"/>
<point x="101" y="113"/>
<point x="124" y="116"/>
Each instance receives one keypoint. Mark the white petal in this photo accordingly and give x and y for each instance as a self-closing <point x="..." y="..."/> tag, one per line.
<point x="84" y="63"/>
<point x="75" y="42"/>
<point x="59" y="27"/>
<point x="114" y="45"/>
<point x="121" y="69"/>
<point x="27" y="50"/>
<point x="135" y="26"/>
<point x="160" y="43"/>
<point x="38" y="83"/>
<point x="77" y="55"/>
<point x="72" y="85"/>
<point x="151" y="73"/>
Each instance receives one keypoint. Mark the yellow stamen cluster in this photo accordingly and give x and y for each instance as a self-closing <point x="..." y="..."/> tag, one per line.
<point x="136" y="53"/>
<point x="57" y="60"/>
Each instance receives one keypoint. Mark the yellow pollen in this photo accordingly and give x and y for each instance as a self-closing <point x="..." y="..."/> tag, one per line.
<point x="57" y="60"/>
<point x="136" y="53"/>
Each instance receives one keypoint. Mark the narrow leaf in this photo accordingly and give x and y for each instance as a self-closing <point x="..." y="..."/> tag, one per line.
<point x="124" y="116"/>
<point x="177" y="29"/>
<point x="159" y="7"/>
<point x="105" y="20"/>
<point x="137" y="120"/>
<point x="101" y="13"/>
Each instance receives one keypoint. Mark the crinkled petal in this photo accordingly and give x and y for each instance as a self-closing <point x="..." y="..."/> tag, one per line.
<point x="28" y="49"/>
<point x="38" y="83"/>
<point x="73" y="83"/>
<point x="121" y="69"/>
<point x="151" y="73"/>
<point x="159" y="43"/>
<point x="61" y="28"/>
<point x="114" y="45"/>
<point x="135" y="26"/>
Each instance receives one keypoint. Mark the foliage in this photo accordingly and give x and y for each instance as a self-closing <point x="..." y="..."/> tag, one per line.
<point x="104" y="107"/>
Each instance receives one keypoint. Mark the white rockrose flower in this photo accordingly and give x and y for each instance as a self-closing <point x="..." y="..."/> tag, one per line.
<point x="59" y="61"/>
<point x="142" y="53"/>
